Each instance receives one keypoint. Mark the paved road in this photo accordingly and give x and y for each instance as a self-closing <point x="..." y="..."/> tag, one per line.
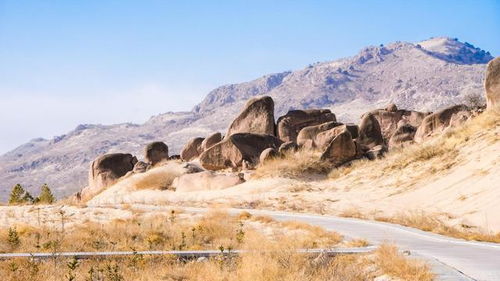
<point x="476" y="260"/>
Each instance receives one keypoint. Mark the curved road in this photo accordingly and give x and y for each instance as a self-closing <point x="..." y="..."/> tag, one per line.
<point x="475" y="260"/>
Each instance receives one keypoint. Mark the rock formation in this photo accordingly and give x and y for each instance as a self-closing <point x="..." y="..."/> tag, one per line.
<point x="192" y="149"/>
<point x="437" y="122"/>
<point x="257" y="117"/>
<point x="232" y="151"/>
<point x="306" y="136"/>
<point x="106" y="170"/>
<point x="156" y="152"/>
<point x="370" y="134"/>
<point x="268" y="154"/>
<point x="211" y="140"/>
<point x="492" y="83"/>
<point x="341" y="149"/>
<point x="290" y="124"/>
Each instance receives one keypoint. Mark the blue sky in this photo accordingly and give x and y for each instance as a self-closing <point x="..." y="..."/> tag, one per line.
<point x="63" y="63"/>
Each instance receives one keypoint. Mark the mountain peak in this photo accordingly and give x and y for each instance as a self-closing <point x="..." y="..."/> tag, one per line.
<point x="452" y="50"/>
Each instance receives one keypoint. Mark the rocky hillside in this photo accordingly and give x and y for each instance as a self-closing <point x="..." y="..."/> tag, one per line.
<point x="423" y="76"/>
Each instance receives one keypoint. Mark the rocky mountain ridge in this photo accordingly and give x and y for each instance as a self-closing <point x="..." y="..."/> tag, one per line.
<point x="424" y="76"/>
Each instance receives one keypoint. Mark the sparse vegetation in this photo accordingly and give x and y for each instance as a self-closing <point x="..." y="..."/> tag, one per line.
<point x="432" y="223"/>
<point x="393" y="263"/>
<point x="300" y="164"/>
<point x="19" y="196"/>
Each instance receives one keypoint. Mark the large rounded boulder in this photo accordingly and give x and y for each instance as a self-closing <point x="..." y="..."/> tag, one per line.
<point x="156" y="152"/>
<point x="210" y="141"/>
<point x="370" y="134"/>
<point x="341" y="148"/>
<point x="492" y="83"/>
<point x="232" y="151"/>
<point x="403" y="135"/>
<point x="106" y="170"/>
<point x="257" y="117"/>
<point x="192" y="149"/>
<point x="307" y="135"/>
<point x="390" y="117"/>
<point x="289" y="125"/>
<point x="437" y="122"/>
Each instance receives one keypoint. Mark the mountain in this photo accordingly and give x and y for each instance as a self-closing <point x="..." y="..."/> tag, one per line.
<point x="422" y="76"/>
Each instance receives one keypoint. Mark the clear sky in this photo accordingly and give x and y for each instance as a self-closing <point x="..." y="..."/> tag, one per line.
<point x="63" y="63"/>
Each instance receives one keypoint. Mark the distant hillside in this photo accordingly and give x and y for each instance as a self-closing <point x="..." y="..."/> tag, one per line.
<point x="423" y="76"/>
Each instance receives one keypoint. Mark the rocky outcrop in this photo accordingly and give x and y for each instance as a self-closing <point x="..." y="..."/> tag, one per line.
<point x="289" y="125"/>
<point x="141" y="167"/>
<point x="403" y="135"/>
<point x="156" y="152"/>
<point x="370" y="134"/>
<point x="211" y="140"/>
<point x="268" y="154"/>
<point x="341" y="149"/>
<point x="389" y="118"/>
<point x="306" y="136"/>
<point x="288" y="147"/>
<point x="106" y="170"/>
<point x="323" y="139"/>
<point x="231" y="152"/>
<point x="206" y="180"/>
<point x="492" y="83"/>
<point x="257" y="117"/>
<point x="192" y="149"/>
<point x="437" y="122"/>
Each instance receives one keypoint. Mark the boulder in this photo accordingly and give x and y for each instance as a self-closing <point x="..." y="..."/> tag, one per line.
<point x="492" y="83"/>
<point x="206" y="180"/>
<point x="376" y="152"/>
<point x="267" y="154"/>
<point x="287" y="147"/>
<point x="323" y="139"/>
<point x="141" y="167"/>
<point x="389" y="119"/>
<point x="192" y="149"/>
<point x="437" y="122"/>
<point x="231" y="152"/>
<point x="370" y="134"/>
<point x="306" y="136"/>
<point x="106" y="170"/>
<point x="403" y="135"/>
<point x="211" y="140"/>
<point x="257" y="117"/>
<point x="353" y="129"/>
<point x="294" y="121"/>
<point x="156" y="152"/>
<point x="341" y="149"/>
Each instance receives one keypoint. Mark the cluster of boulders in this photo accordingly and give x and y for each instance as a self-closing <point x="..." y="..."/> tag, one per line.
<point x="254" y="137"/>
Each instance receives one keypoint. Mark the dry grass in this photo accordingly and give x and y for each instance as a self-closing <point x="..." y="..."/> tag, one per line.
<point x="278" y="262"/>
<point x="432" y="223"/>
<point x="393" y="263"/>
<point x="357" y="243"/>
<point x="160" y="177"/>
<point x="299" y="164"/>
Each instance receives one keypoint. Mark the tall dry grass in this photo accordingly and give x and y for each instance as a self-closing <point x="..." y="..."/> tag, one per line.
<point x="299" y="164"/>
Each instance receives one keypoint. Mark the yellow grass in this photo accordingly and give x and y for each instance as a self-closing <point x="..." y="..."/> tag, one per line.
<point x="160" y="177"/>
<point x="299" y="164"/>
<point x="432" y="223"/>
<point x="393" y="263"/>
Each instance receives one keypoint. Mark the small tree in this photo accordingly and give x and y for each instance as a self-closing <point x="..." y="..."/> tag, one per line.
<point x="27" y="198"/>
<point x="13" y="238"/>
<point x="16" y="195"/>
<point x="46" y="196"/>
